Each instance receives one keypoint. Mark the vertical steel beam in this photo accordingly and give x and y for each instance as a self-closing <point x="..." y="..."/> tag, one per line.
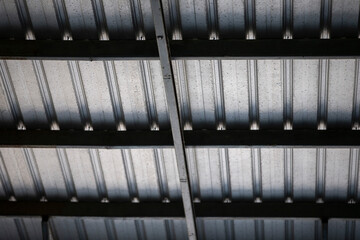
<point x="173" y="108"/>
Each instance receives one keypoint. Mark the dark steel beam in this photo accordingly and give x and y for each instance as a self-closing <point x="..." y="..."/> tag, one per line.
<point x="101" y="139"/>
<point x="185" y="49"/>
<point x="174" y="115"/>
<point x="323" y="211"/>
<point x="196" y="138"/>
<point x="94" y="209"/>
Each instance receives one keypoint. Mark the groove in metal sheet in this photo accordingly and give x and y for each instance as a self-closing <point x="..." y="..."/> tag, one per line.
<point x="140" y="229"/>
<point x="80" y="94"/>
<point x="259" y="230"/>
<point x="81" y="230"/>
<point x="11" y="95"/>
<point x="229" y="229"/>
<point x="225" y="174"/>
<point x="212" y="19"/>
<point x="289" y="229"/>
<point x="98" y="172"/>
<point x="25" y="20"/>
<point x="323" y="94"/>
<point x="45" y="94"/>
<point x="34" y="171"/>
<point x="5" y="180"/>
<point x="253" y="94"/>
<point x="250" y="19"/>
<point x="287" y="79"/>
<point x="62" y="19"/>
<point x="175" y="20"/>
<point x="356" y="97"/>
<point x="325" y="18"/>
<point x="110" y="229"/>
<point x="100" y="19"/>
<point x="66" y="172"/>
<point x="137" y="17"/>
<point x="320" y="174"/>
<point x="353" y="175"/>
<point x="288" y="157"/>
<point x="21" y="229"/>
<point x="149" y="94"/>
<point x="115" y="95"/>
<point x="169" y="228"/>
<point x="183" y="89"/>
<point x="130" y="174"/>
<point x="287" y="19"/>
<point x="193" y="173"/>
<point x="256" y="174"/>
<point x="219" y="95"/>
<point x="161" y="174"/>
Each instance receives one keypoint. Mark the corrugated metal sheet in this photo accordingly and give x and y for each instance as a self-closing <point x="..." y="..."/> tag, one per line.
<point x="76" y="95"/>
<point x="342" y="229"/>
<point x="89" y="174"/>
<point x="19" y="228"/>
<point x="235" y="174"/>
<point x="122" y="19"/>
<point x="259" y="229"/>
<point x="117" y="228"/>
<point x="173" y="228"/>
<point x="214" y="94"/>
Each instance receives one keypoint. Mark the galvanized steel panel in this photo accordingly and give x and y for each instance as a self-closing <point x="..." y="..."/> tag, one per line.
<point x="20" y="228"/>
<point x="89" y="174"/>
<point x="343" y="229"/>
<point x="117" y="228"/>
<point x="237" y="228"/>
<point x="78" y="95"/>
<point x="185" y="19"/>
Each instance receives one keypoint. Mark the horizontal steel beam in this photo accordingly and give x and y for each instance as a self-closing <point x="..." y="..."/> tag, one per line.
<point x="198" y="138"/>
<point x="184" y="49"/>
<point x="323" y="211"/>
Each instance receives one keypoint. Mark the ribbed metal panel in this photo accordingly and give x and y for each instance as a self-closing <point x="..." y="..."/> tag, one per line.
<point x="148" y="228"/>
<point x="77" y="95"/>
<point x="238" y="229"/>
<point x="342" y="229"/>
<point x="89" y="174"/>
<point x="185" y="19"/>
<point x="272" y="94"/>
<point x="117" y="228"/>
<point x="212" y="94"/>
<point x="274" y="174"/>
<point x="221" y="174"/>
<point x="20" y="228"/>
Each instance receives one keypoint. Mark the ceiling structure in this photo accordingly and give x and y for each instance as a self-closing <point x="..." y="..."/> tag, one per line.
<point x="179" y="119"/>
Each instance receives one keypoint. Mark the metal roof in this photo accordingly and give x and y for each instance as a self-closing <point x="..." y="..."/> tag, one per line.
<point x="212" y="94"/>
